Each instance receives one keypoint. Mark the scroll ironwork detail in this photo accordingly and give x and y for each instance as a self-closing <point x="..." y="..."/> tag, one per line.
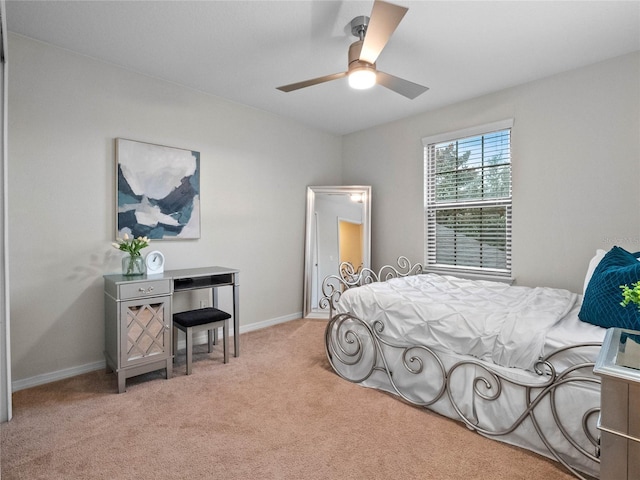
<point x="350" y="277"/>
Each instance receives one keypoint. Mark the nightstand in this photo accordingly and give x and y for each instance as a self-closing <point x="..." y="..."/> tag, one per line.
<point x="137" y="326"/>
<point x="618" y="365"/>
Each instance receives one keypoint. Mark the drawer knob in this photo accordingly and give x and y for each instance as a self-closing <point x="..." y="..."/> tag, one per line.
<point x="145" y="290"/>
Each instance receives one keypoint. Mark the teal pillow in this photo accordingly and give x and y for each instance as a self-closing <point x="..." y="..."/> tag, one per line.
<point x="601" y="303"/>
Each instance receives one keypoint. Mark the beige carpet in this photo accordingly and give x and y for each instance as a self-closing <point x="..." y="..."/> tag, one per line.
<point x="276" y="412"/>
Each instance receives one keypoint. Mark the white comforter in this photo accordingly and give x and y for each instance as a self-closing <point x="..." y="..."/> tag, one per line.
<point x="492" y="321"/>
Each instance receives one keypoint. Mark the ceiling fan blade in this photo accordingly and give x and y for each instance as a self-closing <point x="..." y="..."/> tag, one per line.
<point x="384" y="20"/>
<point x="403" y="87"/>
<point x="313" y="81"/>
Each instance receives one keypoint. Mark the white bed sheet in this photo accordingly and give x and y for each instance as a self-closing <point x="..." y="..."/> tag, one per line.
<point x="571" y="330"/>
<point x="489" y="320"/>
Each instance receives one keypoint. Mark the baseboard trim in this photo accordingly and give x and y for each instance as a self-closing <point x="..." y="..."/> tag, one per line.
<point x="92" y="367"/>
<point x="57" y="375"/>
<point x="268" y="323"/>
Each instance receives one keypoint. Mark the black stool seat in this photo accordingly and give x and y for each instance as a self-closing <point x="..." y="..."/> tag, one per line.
<point x="201" y="319"/>
<point x="193" y="318"/>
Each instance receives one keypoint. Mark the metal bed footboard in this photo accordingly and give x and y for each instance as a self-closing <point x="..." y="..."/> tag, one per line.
<point x="358" y="351"/>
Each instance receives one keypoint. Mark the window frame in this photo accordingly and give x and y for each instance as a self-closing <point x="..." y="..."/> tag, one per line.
<point x="430" y="208"/>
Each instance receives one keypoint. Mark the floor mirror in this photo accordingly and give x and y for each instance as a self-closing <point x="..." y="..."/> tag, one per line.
<point x="338" y="229"/>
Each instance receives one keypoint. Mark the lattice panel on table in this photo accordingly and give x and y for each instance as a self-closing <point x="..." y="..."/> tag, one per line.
<point x="145" y="330"/>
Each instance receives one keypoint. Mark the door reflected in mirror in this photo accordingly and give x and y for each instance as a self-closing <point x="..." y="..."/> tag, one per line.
<point x="338" y="229"/>
<point x="350" y="248"/>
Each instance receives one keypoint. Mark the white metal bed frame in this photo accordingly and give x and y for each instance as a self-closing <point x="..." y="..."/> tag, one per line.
<point x="351" y="341"/>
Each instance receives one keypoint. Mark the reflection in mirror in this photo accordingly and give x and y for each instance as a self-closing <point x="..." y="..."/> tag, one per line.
<point x="338" y="229"/>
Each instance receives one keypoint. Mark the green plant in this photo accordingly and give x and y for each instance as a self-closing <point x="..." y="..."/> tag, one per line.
<point x="131" y="245"/>
<point x="631" y="294"/>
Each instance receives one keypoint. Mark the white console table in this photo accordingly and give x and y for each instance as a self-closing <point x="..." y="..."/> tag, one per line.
<point x="139" y="318"/>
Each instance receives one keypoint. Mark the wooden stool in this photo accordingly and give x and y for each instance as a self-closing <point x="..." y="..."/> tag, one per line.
<point x="198" y="320"/>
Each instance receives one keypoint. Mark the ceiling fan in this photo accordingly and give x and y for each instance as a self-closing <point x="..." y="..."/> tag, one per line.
<point x="373" y="34"/>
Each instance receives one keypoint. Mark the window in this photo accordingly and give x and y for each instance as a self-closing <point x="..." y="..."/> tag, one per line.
<point x="467" y="183"/>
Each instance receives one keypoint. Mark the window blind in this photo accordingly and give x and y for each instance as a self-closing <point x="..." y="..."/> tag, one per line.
<point x="468" y="202"/>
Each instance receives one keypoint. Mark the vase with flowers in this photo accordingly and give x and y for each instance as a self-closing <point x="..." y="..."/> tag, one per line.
<point x="132" y="264"/>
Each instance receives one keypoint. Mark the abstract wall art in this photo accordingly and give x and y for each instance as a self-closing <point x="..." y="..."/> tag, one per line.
<point x="158" y="191"/>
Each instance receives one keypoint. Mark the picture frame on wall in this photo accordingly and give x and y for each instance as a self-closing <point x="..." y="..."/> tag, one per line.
<point x="157" y="191"/>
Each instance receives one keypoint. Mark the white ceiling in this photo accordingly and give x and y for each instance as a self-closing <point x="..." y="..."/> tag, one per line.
<point x="242" y="50"/>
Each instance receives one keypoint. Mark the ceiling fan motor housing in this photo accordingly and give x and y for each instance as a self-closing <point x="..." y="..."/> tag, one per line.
<point x="354" y="57"/>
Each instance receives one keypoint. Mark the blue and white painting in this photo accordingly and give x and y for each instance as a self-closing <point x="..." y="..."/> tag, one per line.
<point x="158" y="191"/>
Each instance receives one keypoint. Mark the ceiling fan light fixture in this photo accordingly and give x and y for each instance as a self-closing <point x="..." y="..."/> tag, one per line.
<point x="362" y="78"/>
<point x="373" y="33"/>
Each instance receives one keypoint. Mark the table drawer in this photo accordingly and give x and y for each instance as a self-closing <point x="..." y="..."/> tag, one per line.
<point x="144" y="289"/>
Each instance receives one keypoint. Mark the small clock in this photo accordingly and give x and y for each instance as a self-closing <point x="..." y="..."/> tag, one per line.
<point x="154" y="262"/>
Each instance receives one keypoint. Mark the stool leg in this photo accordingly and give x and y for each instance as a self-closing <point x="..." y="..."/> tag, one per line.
<point x="210" y="338"/>
<point x="189" y="335"/>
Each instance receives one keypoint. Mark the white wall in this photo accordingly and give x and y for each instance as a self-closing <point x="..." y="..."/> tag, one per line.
<point x="64" y="112"/>
<point x="576" y="170"/>
<point x="576" y="151"/>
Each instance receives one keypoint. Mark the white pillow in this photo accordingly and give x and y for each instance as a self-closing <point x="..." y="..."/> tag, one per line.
<point x="592" y="266"/>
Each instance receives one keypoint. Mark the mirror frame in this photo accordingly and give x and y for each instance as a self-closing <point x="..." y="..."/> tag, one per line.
<point x="312" y="191"/>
